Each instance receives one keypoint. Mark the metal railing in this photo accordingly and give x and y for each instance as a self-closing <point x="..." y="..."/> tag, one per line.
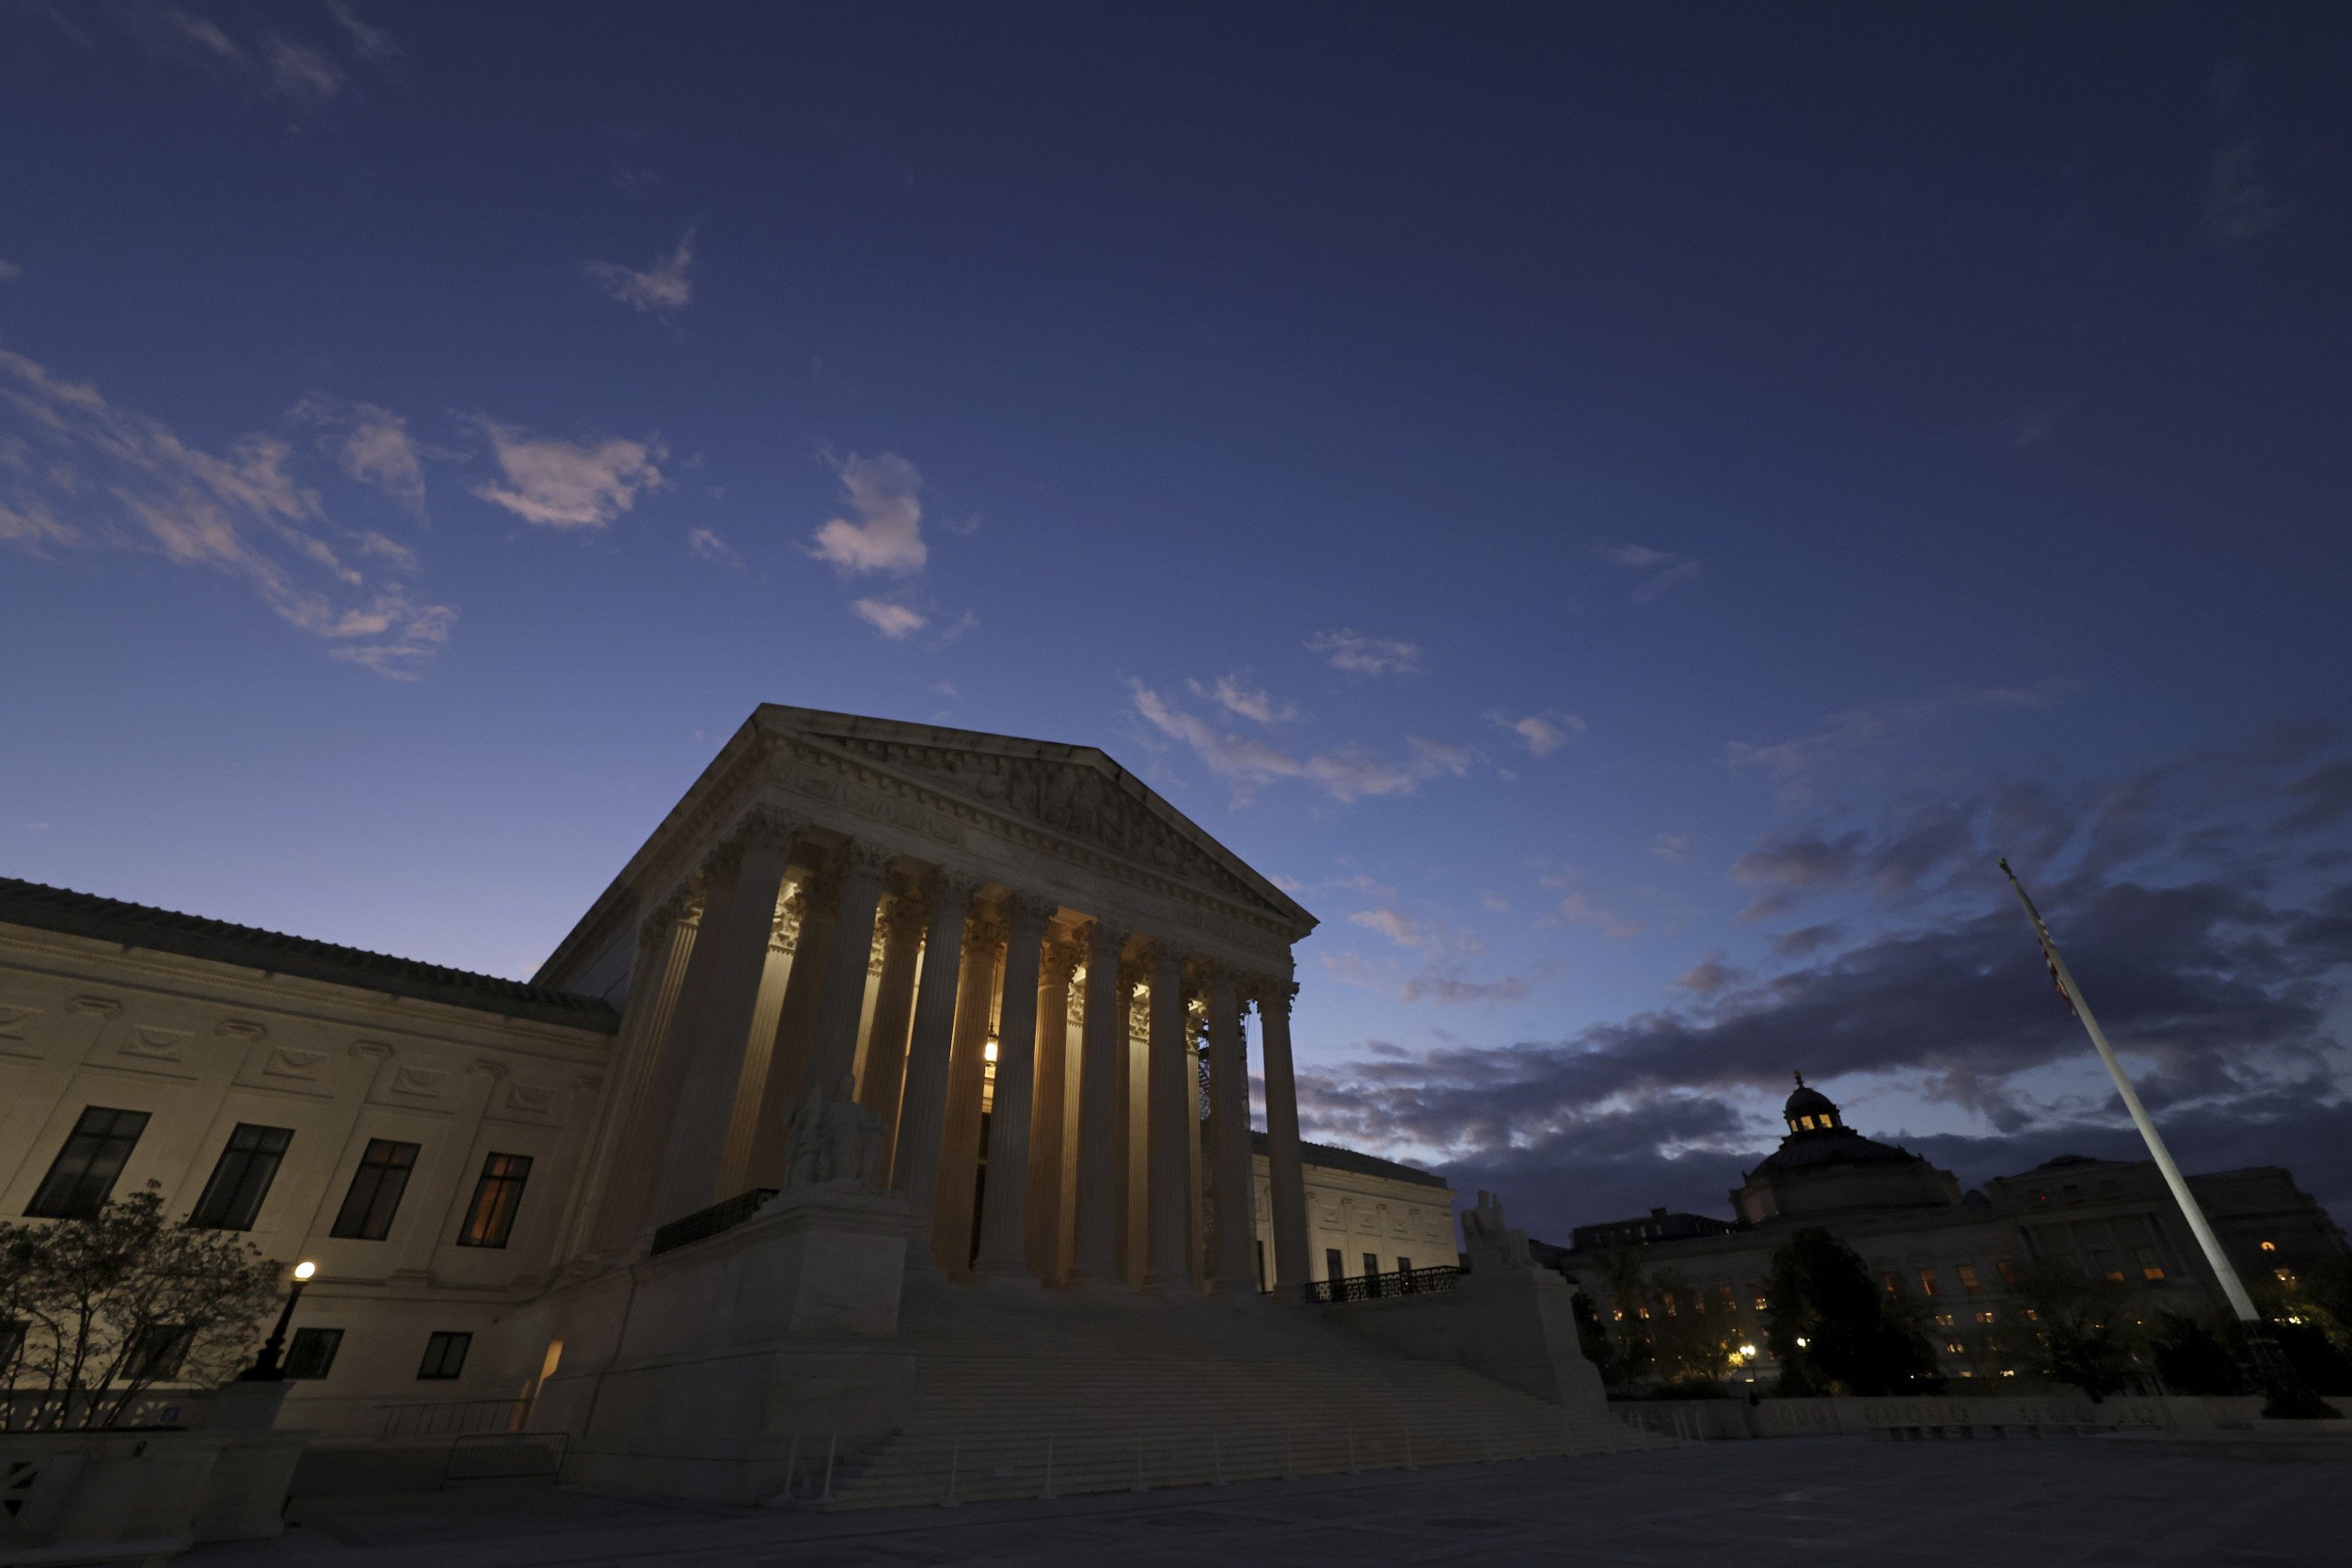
<point x="1374" y="1287"/>
<point x="453" y="1417"/>
<point x="705" y="1223"/>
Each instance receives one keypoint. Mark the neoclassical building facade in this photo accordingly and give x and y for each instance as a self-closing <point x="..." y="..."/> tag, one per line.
<point x="988" y="1004"/>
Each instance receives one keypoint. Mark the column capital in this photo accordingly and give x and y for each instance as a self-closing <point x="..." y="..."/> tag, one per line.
<point x="1059" y="961"/>
<point x="908" y="915"/>
<point x="861" y="859"/>
<point x="984" y="931"/>
<point x="1027" y="912"/>
<point x="1104" y="943"/>
<point x="791" y="910"/>
<point x="1273" y="994"/>
<point x="952" y="885"/>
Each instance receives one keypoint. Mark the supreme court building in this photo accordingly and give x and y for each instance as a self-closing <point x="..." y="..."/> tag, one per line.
<point x="886" y="1029"/>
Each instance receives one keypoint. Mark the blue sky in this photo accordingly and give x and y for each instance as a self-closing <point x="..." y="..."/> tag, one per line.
<point x="1624" y="512"/>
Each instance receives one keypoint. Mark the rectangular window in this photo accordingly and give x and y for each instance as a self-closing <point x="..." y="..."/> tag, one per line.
<point x="2149" y="1267"/>
<point x="2007" y="1271"/>
<point x="83" y="1175"/>
<point x="1262" y="1285"/>
<point x="1953" y="1347"/>
<point x="155" y="1353"/>
<point x="233" y="1196"/>
<point x="2103" y="1262"/>
<point x="1404" y="1264"/>
<point x="1371" y="1262"/>
<point x="1762" y="1303"/>
<point x="376" y="1188"/>
<point x="312" y="1353"/>
<point x="1893" y="1282"/>
<point x="490" y="1217"/>
<point x="444" y="1355"/>
<point x="1928" y="1285"/>
<point x="1984" y="1317"/>
<point x="11" y="1346"/>
<point x="1723" y="1294"/>
<point x="1968" y="1279"/>
<point x="1334" y="1264"/>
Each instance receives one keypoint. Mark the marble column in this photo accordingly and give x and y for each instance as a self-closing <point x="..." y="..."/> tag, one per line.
<point x="737" y="1163"/>
<point x="1286" y="1163"/>
<point x="1103" y="1041"/>
<point x="711" y="1031"/>
<point x="1175" y="1097"/>
<point x="886" y="1039"/>
<point x="923" y="1105"/>
<point x="805" y="930"/>
<point x="833" y="1043"/>
<point x="634" y="1110"/>
<point x="1048" y="1126"/>
<point x="1233" y="1269"/>
<point x="1005" y="1206"/>
<point x="967" y="1073"/>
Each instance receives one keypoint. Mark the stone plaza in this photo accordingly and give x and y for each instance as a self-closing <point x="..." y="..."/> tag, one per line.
<point x="1791" y="1503"/>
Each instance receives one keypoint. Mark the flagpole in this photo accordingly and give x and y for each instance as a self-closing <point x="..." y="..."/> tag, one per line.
<point x="2232" y="1287"/>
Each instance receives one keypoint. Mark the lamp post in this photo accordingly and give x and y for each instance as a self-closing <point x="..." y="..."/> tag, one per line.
<point x="268" y="1366"/>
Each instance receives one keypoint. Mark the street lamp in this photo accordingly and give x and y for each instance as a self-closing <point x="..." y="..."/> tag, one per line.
<point x="268" y="1365"/>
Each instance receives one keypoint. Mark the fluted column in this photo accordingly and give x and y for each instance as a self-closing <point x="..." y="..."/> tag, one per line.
<point x="833" y="1044"/>
<point x="886" y="1039"/>
<point x="1005" y="1206"/>
<point x="923" y="1105"/>
<point x="1048" y="1123"/>
<point x="1171" y="1122"/>
<point x="1093" y="1255"/>
<point x="1286" y="1170"/>
<point x="967" y="1075"/>
<point x="613" y="1207"/>
<point x="1233" y="1269"/>
<point x="711" y="1027"/>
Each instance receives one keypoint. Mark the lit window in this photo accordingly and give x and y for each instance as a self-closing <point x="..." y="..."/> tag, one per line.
<point x="1761" y="1304"/>
<point x="2286" y="1277"/>
<point x="1805" y="1123"/>
<point x="1893" y="1282"/>
<point x="1984" y="1317"/>
<point x="1928" y="1285"/>
<point x="1954" y="1347"/>
<point x="2007" y="1271"/>
<point x="444" y="1356"/>
<point x="2149" y="1267"/>
<point x="1723" y="1294"/>
<point x="490" y="1217"/>
<point x="1943" y="1320"/>
<point x="1968" y="1280"/>
<point x="83" y="1175"/>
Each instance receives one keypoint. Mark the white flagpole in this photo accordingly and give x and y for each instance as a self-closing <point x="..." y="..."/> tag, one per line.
<point x="2230" y="1286"/>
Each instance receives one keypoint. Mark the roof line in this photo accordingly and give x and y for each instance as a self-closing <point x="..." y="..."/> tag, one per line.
<point x="41" y="906"/>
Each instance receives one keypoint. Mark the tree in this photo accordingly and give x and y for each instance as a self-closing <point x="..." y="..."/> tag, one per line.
<point x="95" y="1311"/>
<point x="1831" y="1329"/>
<point x="2191" y="1358"/>
<point x="2086" y="1332"/>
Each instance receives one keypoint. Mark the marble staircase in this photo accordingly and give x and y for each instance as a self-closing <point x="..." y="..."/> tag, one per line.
<point x="1022" y="1393"/>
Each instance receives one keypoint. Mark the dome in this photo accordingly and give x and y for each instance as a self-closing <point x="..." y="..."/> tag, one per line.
<point x="1810" y="1110"/>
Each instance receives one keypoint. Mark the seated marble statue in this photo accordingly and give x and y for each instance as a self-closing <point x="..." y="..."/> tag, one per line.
<point x="833" y="1140"/>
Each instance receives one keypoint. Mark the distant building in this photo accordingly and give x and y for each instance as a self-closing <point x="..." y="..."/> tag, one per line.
<point x="1956" y="1257"/>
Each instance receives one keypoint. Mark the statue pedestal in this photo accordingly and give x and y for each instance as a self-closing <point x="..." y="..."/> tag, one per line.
<point x="828" y="1259"/>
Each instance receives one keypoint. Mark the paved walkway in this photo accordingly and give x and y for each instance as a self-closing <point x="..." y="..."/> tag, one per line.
<point x="1791" y="1501"/>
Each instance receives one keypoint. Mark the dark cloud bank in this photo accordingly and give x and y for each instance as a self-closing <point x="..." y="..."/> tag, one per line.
<point x="2205" y="905"/>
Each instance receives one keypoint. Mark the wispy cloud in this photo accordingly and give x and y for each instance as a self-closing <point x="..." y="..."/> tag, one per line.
<point x="1659" y="570"/>
<point x="369" y="42"/>
<point x="662" y="288"/>
<point x="1408" y="930"/>
<point x="1799" y="763"/>
<point x="1673" y="849"/>
<point x="1249" y="702"/>
<point x="1542" y="733"/>
<point x="1346" y="775"/>
<point x="706" y="545"/>
<point x="264" y="64"/>
<point x="894" y="621"/>
<point x="1581" y="908"/>
<point x="370" y="444"/>
<point x="79" y="471"/>
<point x="559" y="484"/>
<point x="884" y="531"/>
<point x="1359" y="654"/>
<point x="2238" y="206"/>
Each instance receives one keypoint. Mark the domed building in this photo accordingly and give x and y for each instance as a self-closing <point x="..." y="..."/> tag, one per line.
<point x="1824" y="1166"/>
<point x="1952" y="1259"/>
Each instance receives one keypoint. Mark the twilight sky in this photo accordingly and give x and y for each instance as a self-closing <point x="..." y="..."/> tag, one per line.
<point x="1625" y="512"/>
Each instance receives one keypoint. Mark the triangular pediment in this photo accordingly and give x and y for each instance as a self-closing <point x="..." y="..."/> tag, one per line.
<point x="1077" y="792"/>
